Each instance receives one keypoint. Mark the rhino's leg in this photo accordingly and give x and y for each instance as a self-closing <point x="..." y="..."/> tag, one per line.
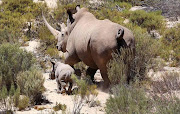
<point x="71" y="58"/>
<point x="91" y="72"/>
<point x="58" y="85"/>
<point x="105" y="78"/>
<point x="63" y="87"/>
<point x="70" y="87"/>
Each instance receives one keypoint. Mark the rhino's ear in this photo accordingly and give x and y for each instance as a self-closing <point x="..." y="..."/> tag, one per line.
<point x="70" y="15"/>
<point x="53" y="62"/>
<point x="77" y="8"/>
<point x="63" y="26"/>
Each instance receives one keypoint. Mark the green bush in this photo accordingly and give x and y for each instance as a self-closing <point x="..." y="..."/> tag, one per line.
<point x="23" y="102"/>
<point x="149" y="20"/>
<point x="128" y="100"/>
<point x="59" y="106"/>
<point x="13" y="17"/>
<point x="126" y="65"/>
<point x="133" y="98"/>
<point x="8" y="99"/>
<point x="84" y="94"/>
<point x="47" y="39"/>
<point x="53" y="52"/>
<point x="168" y="106"/>
<point x="107" y="13"/>
<point x="13" y="60"/>
<point x="31" y="84"/>
<point x="171" y="42"/>
<point x="119" y="67"/>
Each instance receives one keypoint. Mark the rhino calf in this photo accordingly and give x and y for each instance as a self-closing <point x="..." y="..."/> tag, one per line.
<point x="62" y="73"/>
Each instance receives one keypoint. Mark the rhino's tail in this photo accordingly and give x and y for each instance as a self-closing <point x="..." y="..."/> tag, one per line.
<point x="120" y="33"/>
<point x="119" y="37"/>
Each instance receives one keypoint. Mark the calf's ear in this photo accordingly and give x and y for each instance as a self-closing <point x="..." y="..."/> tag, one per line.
<point x="77" y="8"/>
<point x="53" y="63"/>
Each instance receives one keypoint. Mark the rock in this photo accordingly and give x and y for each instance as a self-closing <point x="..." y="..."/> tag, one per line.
<point x="126" y="21"/>
<point x="170" y="22"/>
<point x="141" y="8"/>
<point x="119" y="8"/>
<point x="155" y="34"/>
<point x="169" y="8"/>
<point x="50" y="3"/>
<point x="99" y="2"/>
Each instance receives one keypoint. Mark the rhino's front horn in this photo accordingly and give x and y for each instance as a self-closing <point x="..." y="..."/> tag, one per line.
<point x="53" y="31"/>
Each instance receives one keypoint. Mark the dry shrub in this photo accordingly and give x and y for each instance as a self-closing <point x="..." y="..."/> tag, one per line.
<point x="168" y="82"/>
<point x="31" y="84"/>
<point x="59" y="106"/>
<point x="125" y="64"/>
<point x="151" y="20"/>
<point x="164" y="96"/>
<point x="84" y="94"/>
<point x="128" y="99"/>
<point x="171" y="45"/>
<point x="23" y="102"/>
<point x="13" y="60"/>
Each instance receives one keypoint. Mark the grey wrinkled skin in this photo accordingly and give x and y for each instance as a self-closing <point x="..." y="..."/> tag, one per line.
<point x="62" y="73"/>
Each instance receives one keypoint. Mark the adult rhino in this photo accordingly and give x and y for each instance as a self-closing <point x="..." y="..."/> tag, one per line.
<point x="93" y="41"/>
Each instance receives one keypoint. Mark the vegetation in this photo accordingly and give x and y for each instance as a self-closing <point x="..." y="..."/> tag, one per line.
<point x="128" y="99"/>
<point x="23" y="102"/>
<point x="13" y="60"/>
<point x="8" y="99"/>
<point x="84" y="94"/>
<point x="14" y="15"/>
<point x="19" y="76"/>
<point x="59" y="106"/>
<point x="31" y="84"/>
<point x="151" y="20"/>
<point x="125" y="64"/>
<point x="133" y="99"/>
<point x="171" y="45"/>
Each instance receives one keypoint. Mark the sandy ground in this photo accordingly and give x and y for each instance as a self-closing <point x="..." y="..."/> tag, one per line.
<point x="53" y="97"/>
<point x="32" y="46"/>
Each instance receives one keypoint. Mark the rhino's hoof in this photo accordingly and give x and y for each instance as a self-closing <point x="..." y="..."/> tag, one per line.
<point x="63" y="91"/>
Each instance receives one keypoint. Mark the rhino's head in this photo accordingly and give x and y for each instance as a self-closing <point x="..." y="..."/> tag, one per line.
<point x="52" y="74"/>
<point x="61" y="36"/>
<point x="55" y="65"/>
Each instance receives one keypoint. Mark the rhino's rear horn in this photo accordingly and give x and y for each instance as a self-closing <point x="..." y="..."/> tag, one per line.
<point x="120" y="33"/>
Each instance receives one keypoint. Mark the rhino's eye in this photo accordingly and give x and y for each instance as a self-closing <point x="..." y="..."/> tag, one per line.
<point x="62" y="35"/>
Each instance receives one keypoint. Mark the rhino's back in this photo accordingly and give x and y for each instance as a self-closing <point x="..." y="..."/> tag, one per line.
<point x="64" y="70"/>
